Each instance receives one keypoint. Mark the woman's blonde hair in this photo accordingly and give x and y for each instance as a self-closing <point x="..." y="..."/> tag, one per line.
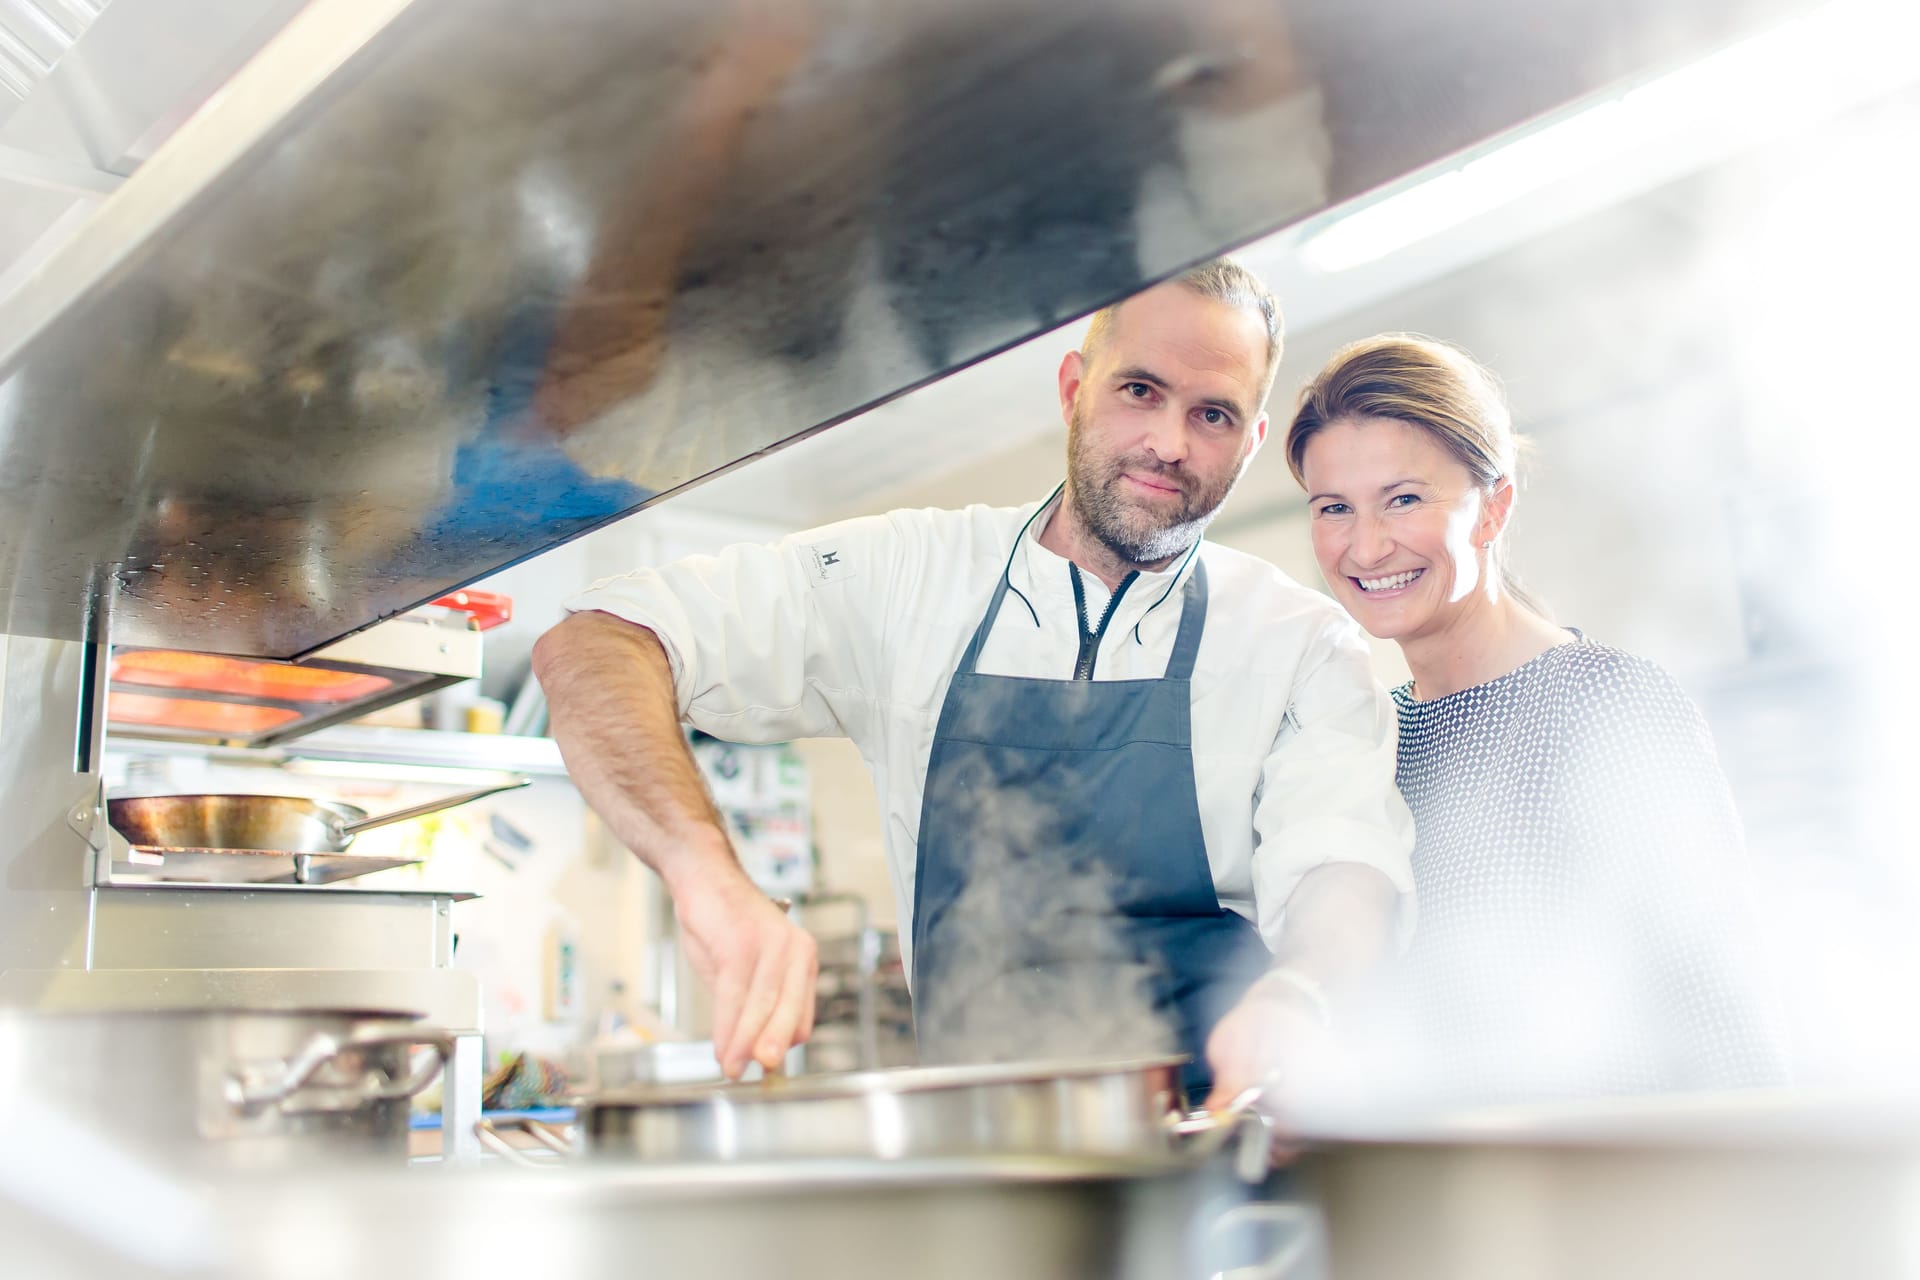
<point x="1429" y="385"/>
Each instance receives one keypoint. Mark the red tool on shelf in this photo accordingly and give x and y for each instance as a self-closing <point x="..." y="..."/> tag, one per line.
<point x="487" y="608"/>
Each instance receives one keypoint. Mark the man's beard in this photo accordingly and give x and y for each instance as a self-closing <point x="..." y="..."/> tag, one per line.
<point x="1134" y="533"/>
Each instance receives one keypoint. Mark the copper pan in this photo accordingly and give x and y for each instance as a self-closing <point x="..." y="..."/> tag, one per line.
<point x="283" y="824"/>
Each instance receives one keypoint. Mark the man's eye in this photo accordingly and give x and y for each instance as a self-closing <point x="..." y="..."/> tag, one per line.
<point x="1138" y="390"/>
<point x="1214" y="418"/>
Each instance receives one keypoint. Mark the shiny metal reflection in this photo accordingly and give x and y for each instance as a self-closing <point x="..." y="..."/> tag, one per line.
<point x="432" y="286"/>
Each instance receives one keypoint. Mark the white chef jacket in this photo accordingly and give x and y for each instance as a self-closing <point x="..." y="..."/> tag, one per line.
<point x="855" y="629"/>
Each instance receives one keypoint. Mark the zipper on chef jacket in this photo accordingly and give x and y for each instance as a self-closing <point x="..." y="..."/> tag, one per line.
<point x="1090" y="640"/>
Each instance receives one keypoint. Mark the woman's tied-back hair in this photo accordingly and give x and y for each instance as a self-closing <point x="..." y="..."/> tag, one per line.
<point x="1419" y="381"/>
<point x="1428" y="385"/>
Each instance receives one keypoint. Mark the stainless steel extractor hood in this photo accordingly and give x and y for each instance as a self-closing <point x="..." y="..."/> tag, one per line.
<point x="432" y="285"/>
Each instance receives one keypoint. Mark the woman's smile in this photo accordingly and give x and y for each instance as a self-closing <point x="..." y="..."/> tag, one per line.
<point x="1387" y="586"/>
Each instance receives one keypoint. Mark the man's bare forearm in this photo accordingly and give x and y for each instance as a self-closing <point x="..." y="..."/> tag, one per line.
<point x="617" y="721"/>
<point x="1339" y="923"/>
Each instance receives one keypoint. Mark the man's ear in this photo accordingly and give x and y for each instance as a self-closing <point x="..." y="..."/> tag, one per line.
<point x="1073" y="371"/>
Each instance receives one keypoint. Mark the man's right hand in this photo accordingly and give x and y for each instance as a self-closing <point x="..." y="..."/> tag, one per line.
<point x="610" y="690"/>
<point x="761" y="967"/>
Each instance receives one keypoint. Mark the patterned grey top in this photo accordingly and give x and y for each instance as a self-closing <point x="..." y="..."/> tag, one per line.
<point x="1584" y="925"/>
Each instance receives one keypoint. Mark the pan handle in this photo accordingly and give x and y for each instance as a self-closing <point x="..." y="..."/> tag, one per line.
<point x="431" y="806"/>
<point x="257" y="1087"/>
<point x="1210" y="1128"/>
<point x="1206" y="1133"/>
<point x="488" y="1132"/>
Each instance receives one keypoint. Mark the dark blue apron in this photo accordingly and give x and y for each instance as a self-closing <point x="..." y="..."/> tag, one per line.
<point x="1086" y="785"/>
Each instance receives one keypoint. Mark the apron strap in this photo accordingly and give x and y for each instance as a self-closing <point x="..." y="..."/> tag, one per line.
<point x="1193" y="620"/>
<point x="971" y="658"/>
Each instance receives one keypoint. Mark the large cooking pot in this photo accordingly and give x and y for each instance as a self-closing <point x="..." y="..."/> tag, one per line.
<point x="284" y="824"/>
<point x="841" y="1220"/>
<point x="1064" y="1109"/>
<point x="231" y="1088"/>
<point x="1736" y="1185"/>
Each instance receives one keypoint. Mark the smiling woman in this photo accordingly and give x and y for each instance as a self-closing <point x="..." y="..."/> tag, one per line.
<point x="1424" y="430"/>
<point x="1578" y="863"/>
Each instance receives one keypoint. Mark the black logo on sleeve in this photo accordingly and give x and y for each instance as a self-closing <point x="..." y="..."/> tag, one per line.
<point x="829" y="565"/>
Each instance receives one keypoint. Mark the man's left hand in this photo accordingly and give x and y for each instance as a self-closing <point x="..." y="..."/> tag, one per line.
<point x="1275" y="1038"/>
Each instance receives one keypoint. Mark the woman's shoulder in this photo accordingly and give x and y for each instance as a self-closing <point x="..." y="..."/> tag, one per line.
<point x="1614" y="704"/>
<point x="1580" y="671"/>
<point x="1583" y="687"/>
<point x="1601" y="678"/>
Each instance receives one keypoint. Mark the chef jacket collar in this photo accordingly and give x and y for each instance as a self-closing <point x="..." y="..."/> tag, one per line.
<point x="1046" y="573"/>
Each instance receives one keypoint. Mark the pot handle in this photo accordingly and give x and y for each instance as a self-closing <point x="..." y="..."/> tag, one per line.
<point x="488" y="1132"/>
<point x="253" y="1088"/>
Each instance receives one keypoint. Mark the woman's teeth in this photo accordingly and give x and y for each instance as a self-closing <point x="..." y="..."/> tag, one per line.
<point x="1389" y="584"/>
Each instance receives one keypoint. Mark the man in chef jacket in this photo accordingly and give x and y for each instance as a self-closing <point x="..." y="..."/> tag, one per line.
<point x="1138" y="789"/>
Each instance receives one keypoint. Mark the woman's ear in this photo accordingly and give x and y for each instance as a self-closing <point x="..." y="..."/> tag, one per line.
<point x="1495" y="512"/>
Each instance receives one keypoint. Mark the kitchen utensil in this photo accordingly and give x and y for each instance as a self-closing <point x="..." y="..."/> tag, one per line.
<point x="281" y="824"/>
<point x="229" y="1088"/>
<point x="249" y="866"/>
<point x="1733" y="1185"/>
<point x="819" y="1220"/>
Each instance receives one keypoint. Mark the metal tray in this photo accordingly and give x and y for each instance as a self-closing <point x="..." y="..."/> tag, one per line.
<point x="248" y="866"/>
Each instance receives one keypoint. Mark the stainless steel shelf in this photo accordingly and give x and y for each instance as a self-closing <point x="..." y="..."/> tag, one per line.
<point x="374" y="745"/>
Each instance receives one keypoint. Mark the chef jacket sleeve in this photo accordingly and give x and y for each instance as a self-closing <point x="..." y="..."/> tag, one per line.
<point x="1327" y="789"/>
<point x="767" y="642"/>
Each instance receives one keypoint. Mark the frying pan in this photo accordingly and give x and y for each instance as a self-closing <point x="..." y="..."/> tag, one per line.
<point x="283" y="824"/>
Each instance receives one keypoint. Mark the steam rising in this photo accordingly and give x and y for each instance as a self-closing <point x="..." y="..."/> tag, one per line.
<point x="1034" y="962"/>
<point x="1715" y="382"/>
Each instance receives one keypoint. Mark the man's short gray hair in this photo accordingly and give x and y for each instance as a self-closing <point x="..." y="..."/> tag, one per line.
<point x="1222" y="280"/>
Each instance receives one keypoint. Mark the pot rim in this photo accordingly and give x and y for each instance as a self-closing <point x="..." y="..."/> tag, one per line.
<point x="355" y="1013"/>
<point x="857" y="1084"/>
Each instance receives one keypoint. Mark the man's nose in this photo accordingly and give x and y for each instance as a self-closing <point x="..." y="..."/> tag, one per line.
<point x="1167" y="437"/>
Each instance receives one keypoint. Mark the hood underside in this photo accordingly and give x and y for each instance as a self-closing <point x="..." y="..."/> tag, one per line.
<point x="428" y="287"/>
